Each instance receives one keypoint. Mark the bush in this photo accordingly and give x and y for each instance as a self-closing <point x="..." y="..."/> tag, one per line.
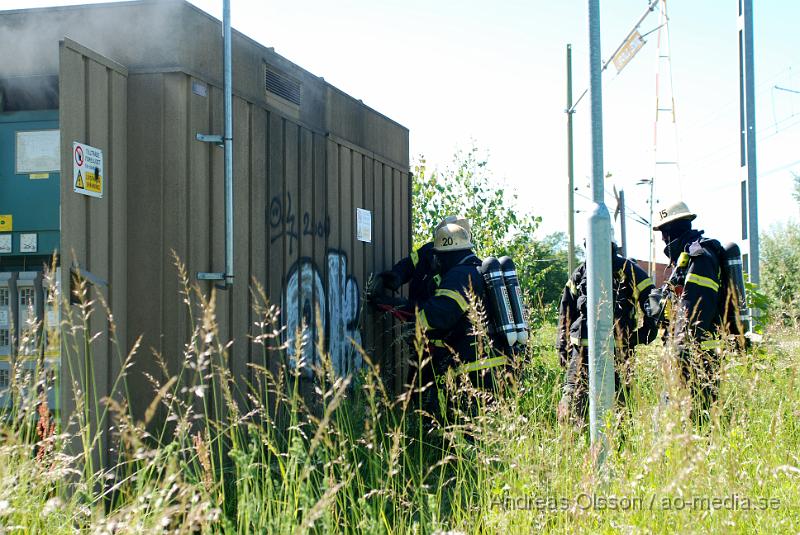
<point x="467" y="187"/>
<point x="780" y="270"/>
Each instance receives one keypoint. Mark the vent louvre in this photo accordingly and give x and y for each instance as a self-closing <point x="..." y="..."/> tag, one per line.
<point x="281" y="85"/>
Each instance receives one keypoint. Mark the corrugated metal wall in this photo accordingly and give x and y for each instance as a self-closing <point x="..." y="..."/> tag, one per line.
<point x="300" y="173"/>
<point x="93" y="110"/>
<point x="296" y="190"/>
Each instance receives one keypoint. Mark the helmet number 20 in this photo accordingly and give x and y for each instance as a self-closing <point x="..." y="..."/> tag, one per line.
<point x="447" y="241"/>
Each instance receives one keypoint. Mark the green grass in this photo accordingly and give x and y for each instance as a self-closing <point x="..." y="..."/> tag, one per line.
<point x="358" y="460"/>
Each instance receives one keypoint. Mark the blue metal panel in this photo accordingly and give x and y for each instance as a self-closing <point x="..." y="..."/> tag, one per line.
<point x="32" y="202"/>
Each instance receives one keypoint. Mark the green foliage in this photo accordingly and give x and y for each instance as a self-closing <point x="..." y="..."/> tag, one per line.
<point x="758" y="301"/>
<point x="796" y="192"/>
<point x="780" y="269"/>
<point x="467" y="187"/>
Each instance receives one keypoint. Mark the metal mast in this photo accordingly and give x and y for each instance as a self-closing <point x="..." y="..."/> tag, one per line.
<point x="665" y="135"/>
<point x="599" y="306"/>
<point x="747" y="114"/>
<point x="570" y="169"/>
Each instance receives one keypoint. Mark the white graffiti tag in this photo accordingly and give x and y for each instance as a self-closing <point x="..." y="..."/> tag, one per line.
<point x="343" y="306"/>
<point x="338" y="315"/>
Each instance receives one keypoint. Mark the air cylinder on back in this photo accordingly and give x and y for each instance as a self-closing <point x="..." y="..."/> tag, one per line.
<point x="502" y="318"/>
<point x="515" y="296"/>
<point x="733" y="258"/>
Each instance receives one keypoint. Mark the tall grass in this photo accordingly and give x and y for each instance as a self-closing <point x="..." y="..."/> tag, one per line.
<point x="355" y="458"/>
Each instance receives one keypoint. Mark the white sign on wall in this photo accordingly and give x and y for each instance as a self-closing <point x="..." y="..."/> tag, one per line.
<point x="37" y="151"/>
<point x="363" y="225"/>
<point x="87" y="170"/>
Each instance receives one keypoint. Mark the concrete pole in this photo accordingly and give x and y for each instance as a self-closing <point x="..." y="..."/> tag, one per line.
<point x="750" y="136"/>
<point x="599" y="306"/>
<point x="570" y="169"/>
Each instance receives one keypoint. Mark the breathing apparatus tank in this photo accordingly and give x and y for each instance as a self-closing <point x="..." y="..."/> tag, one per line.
<point x="515" y="296"/>
<point x="501" y="317"/>
<point x="738" y="314"/>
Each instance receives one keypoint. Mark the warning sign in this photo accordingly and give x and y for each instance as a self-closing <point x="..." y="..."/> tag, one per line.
<point x="87" y="170"/>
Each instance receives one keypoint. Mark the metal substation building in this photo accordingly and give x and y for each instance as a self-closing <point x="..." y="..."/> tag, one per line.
<point x="100" y="108"/>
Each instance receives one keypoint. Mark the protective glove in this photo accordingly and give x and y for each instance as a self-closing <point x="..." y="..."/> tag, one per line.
<point x="375" y="288"/>
<point x="391" y="280"/>
<point x="386" y="280"/>
<point x="563" y="358"/>
<point x="655" y="304"/>
<point x="581" y="302"/>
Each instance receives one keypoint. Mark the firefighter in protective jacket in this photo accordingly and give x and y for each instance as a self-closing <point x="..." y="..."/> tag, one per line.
<point x="444" y="315"/>
<point x="631" y="292"/>
<point x="416" y="269"/>
<point x="693" y="297"/>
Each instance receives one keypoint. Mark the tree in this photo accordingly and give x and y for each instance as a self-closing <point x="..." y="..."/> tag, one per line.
<point x="466" y="187"/>
<point x="780" y="268"/>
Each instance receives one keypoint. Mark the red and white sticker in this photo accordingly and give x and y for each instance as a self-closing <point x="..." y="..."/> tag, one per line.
<point x="87" y="171"/>
<point x="79" y="156"/>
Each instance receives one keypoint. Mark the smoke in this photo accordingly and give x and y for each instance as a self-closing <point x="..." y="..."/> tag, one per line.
<point x="29" y="93"/>
<point x="140" y="33"/>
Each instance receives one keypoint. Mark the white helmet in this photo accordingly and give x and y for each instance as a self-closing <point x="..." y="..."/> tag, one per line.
<point x="677" y="211"/>
<point x="451" y="237"/>
<point x="459" y="220"/>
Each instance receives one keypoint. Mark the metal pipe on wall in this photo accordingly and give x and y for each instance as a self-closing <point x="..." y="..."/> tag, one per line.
<point x="599" y="306"/>
<point x="570" y="170"/>
<point x="228" y="139"/>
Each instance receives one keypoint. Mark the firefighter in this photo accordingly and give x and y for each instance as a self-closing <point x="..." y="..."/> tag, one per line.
<point x="631" y="292"/>
<point x="416" y="269"/>
<point x="693" y="297"/>
<point x="445" y="316"/>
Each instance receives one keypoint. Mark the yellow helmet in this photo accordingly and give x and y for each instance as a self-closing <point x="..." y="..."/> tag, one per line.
<point x="677" y="211"/>
<point x="451" y="237"/>
<point x="459" y="220"/>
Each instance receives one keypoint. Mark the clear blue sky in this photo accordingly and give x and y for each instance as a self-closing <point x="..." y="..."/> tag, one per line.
<point x="494" y="72"/>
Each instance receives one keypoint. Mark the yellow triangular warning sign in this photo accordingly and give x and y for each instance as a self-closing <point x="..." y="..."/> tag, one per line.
<point x="79" y="181"/>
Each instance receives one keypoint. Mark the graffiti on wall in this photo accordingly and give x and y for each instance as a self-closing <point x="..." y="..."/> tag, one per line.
<point x="284" y="222"/>
<point x="326" y="315"/>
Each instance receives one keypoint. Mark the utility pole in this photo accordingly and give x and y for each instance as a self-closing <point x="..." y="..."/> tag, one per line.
<point x="623" y="234"/>
<point x="570" y="169"/>
<point x="747" y="114"/>
<point x="598" y="263"/>
<point x="652" y="264"/>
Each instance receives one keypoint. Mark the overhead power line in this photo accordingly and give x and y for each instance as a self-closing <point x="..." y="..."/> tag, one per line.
<point x="650" y="8"/>
<point x="714" y="115"/>
<point x="761" y="134"/>
<point x="785" y="89"/>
